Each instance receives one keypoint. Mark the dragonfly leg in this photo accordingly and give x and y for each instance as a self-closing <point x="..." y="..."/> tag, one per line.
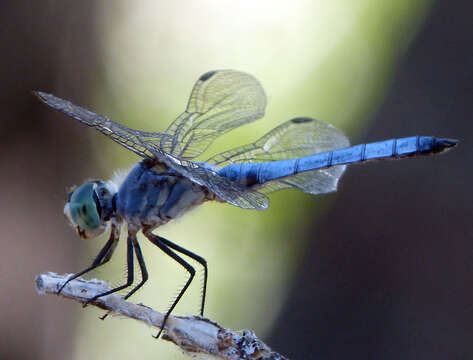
<point x="129" y="263"/>
<point x="144" y="271"/>
<point x="197" y="258"/>
<point x="104" y="256"/>
<point x="141" y="263"/>
<point x="190" y="269"/>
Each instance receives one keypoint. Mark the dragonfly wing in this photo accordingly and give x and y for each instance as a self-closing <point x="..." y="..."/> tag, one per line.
<point x="311" y="182"/>
<point x="220" y="101"/>
<point x="129" y="138"/>
<point x="145" y="145"/>
<point x="295" y="138"/>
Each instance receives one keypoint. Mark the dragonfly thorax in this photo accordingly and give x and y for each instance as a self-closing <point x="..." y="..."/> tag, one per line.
<point x="90" y="206"/>
<point x="151" y="196"/>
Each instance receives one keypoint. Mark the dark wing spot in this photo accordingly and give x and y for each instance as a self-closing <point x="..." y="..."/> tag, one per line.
<point x="299" y="120"/>
<point x="84" y="209"/>
<point x="207" y="75"/>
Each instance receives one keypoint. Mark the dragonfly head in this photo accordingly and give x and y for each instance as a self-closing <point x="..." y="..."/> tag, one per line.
<point x="89" y="207"/>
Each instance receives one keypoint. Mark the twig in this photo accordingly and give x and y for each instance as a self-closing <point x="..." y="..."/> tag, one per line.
<point x="195" y="335"/>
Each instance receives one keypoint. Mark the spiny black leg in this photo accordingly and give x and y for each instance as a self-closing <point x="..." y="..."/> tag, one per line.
<point x="104" y="255"/>
<point x="144" y="271"/>
<point x="197" y="258"/>
<point x="157" y="241"/>
<point x="129" y="264"/>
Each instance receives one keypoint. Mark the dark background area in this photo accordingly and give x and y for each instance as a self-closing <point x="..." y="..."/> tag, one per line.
<point x="395" y="281"/>
<point x="34" y="55"/>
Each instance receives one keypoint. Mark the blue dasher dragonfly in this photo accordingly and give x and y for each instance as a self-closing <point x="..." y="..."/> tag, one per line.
<point x="302" y="153"/>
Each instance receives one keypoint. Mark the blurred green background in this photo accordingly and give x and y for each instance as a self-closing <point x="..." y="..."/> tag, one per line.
<point x="347" y="63"/>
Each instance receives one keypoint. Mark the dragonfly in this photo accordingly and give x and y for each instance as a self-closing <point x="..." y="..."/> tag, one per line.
<point x="302" y="153"/>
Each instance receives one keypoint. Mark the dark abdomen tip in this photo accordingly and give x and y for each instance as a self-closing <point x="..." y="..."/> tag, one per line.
<point x="441" y="145"/>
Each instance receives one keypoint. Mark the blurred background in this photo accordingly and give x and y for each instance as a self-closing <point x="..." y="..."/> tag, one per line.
<point x="382" y="269"/>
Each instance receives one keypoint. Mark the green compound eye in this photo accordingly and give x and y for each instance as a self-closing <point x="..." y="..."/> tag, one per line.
<point x="83" y="210"/>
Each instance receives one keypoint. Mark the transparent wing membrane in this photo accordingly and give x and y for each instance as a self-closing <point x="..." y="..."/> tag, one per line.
<point x="295" y="138"/>
<point x="311" y="182"/>
<point x="220" y="101"/>
<point x="129" y="138"/>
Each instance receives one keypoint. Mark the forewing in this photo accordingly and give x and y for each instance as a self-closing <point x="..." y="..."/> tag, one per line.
<point x="220" y="101"/>
<point x="145" y="145"/>
<point x="295" y="138"/>
<point x="129" y="138"/>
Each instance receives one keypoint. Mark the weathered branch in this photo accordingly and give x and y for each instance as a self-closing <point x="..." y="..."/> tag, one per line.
<point x="195" y="335"/>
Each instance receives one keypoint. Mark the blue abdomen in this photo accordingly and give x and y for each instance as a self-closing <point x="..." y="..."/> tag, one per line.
<point x="260" y="173"/>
